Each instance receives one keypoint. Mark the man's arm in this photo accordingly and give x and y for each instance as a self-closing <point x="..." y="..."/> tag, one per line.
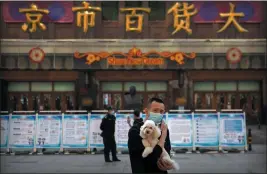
<point x="167" y="144"/>
<point x="136" y="148"/>
<point x="102" y="125"/>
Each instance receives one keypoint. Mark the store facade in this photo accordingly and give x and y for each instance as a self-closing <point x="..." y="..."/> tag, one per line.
<point x="92" y="70"/>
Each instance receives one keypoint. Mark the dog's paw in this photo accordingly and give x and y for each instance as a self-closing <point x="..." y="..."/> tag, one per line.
<point x="144" y="155"/>
<point x="147" y="151"/>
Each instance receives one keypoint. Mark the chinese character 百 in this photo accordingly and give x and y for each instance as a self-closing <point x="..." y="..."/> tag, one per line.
<point x="133" y="18"/>
<point x="33" y="17"/>
<point x="182" y="11"/>
<point x="85" y="12"/>
<point x="231" y="19"/>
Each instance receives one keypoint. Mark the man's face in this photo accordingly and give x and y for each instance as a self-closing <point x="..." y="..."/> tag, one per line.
<point x="111" y="112"/>
<point x="156" y="108"/>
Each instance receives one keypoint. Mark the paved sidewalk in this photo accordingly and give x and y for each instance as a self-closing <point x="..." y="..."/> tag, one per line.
<point x="259" y="136"/>
<point x="251" y="162"/>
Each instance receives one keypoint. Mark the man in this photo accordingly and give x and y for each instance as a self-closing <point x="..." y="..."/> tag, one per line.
<point x="137" y="118"/>
<point x="108" y="129"/>
<point x="152" y="163"/>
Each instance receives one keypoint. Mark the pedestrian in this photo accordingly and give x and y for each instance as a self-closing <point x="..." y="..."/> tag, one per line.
<point x="152" y="163"/>
<point x="108" y="130"/>
<point x="137" y="118"/>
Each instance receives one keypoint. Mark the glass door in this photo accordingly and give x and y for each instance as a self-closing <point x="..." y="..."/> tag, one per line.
<point x="112" y="99"/>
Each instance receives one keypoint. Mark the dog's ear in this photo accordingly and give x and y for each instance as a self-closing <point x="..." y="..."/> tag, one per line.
<point x="142" y="132"/>
<point x="156" y="132"/>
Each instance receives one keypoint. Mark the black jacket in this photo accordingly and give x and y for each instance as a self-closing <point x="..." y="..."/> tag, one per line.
<point x="136" y="148"/>
<point x="108" y="126"/>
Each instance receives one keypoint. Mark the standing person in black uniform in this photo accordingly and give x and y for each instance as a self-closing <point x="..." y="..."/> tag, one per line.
<point x="152" y="163"/>
<point x="137" y="118"/>
<point x="108" y="130"/>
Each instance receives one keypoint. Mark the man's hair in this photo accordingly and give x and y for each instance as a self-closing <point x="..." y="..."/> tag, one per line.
<point x="155" y="99"/>
<point x="136" y="113"/>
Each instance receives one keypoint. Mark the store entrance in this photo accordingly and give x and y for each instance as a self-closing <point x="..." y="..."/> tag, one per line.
<point x="113" y="93"/>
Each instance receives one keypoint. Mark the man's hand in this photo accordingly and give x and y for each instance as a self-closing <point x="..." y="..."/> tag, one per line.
<point x="164" y="165"/>
<point x="128" y="120"/>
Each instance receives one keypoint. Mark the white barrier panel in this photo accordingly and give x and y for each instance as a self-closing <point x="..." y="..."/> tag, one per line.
<point x="233" y="130"/>
<point x="96" y="141"/>
<point x="75" y="131"/>
<point x="81" y="131"/>
<point x="4" y="120"/>
<point x="49" y="131"/>
<point x="122" y="129"/>
<point x="22" y="131"/>
<point x="181" y="129"/>
<point x="206" y="130"/>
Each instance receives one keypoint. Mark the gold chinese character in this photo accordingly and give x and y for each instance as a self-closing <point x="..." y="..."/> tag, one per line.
<point x="134" y="18"/>
<point x="85" y="14"/>
<point x="33" y="17"/>
<point x="231" y="19"/>
<point x="179" y="23"/>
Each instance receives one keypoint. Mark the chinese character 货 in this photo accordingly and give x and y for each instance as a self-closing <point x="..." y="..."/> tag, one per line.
<point x="182" y="11"/>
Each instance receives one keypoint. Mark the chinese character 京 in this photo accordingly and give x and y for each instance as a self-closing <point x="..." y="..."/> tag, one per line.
<point x="182" y="14"/>
<point x="231" y="19"/>
<point x="85" y="12"/>
<point x="33" y="17"/>
<point x="133" y="18"/>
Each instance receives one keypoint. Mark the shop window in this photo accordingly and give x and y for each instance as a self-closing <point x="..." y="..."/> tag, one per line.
<point x="24" y="102"/>
<point x="226" y="86"/>
<point x="244" y="102"/>
<point x="117" y="101"/>
<point x="111" y="86"/>
<point x="133" y="3"/>
<point x="69" y="101"/>
<point x="220" y="101"/>
<point x="58" y="102"/>
<point x="231" y="101"/>
<point x="41" y="86"/>
<point x="110" y="10"/>
<point x="157" y="10"/>
<point x="248" y="86"/>
<point x="64" y="86"/>
<point x="18" y="86"/>
<point x="106" y="100"/>
<point x="140" y="86"/>
<point x="198" y="101"/>
<point x="47" y="102"/>
<point x="255" y="102"/>
<point x="204" y="86"/>
<point x="13" y="103"/>
<point x="36" y="102"/>
<point x="156" y="86"/>
<point x="209" y="99"/>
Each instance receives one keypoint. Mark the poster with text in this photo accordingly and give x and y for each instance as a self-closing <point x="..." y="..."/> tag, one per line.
<point x="4" y="120"/>
<point x="232" y="129"/>
<point x="206" y="132"/>
<point x="49" y="129"/>
<point x="96" y="141"/>
<point x="22" y="131"/>
<point x="181" y="130"/>
<point x="122" y="129"/>
<point x="75" y="131"/>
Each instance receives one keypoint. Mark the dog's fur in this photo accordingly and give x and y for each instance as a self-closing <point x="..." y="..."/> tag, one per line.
<point x="149" y="129"/>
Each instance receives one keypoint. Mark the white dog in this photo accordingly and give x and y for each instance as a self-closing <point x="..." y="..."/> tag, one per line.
<point x="150" y="130"/>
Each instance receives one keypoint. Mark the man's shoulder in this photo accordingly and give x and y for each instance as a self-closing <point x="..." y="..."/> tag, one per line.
<point x="135" y="129"/>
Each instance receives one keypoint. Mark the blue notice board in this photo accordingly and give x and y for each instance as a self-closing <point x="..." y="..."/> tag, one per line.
<point x="206" y="132"/>
<point x="232" y="129"/>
